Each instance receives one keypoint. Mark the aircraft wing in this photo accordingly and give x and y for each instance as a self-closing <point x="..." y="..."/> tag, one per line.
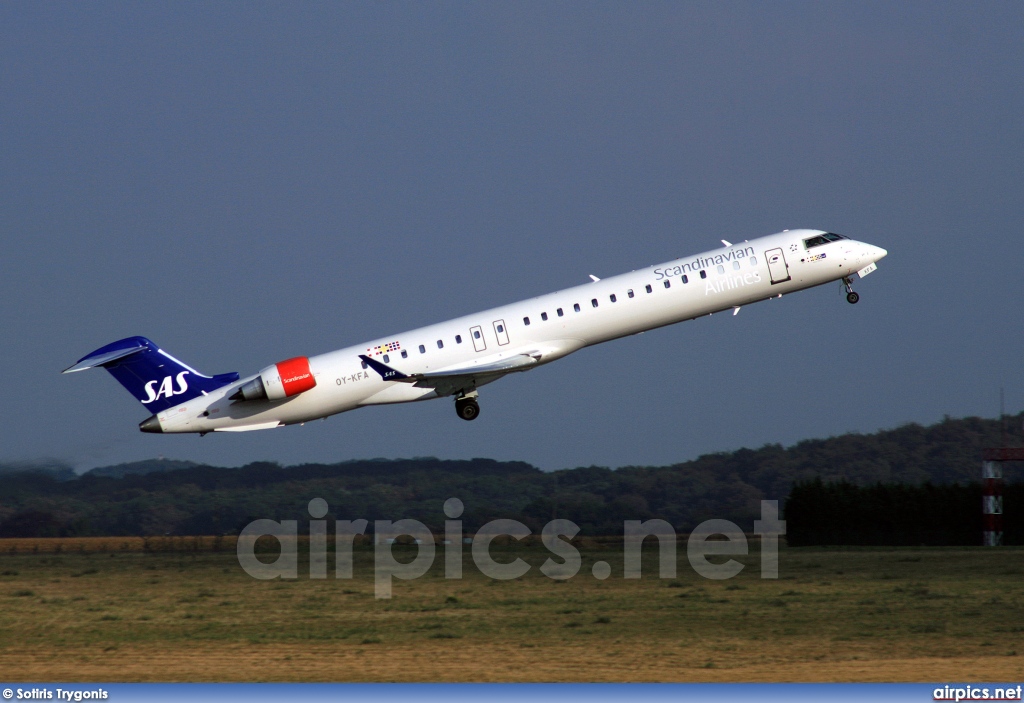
<point x="461" y="379"/>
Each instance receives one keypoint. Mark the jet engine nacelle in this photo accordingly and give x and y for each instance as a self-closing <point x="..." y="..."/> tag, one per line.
<point x="278" y="381"/>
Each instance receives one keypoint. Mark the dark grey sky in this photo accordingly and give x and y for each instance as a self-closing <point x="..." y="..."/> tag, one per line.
<point x="244" y="183"/>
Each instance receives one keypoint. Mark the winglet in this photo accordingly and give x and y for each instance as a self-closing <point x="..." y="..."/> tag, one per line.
<point x="385" y="371"/>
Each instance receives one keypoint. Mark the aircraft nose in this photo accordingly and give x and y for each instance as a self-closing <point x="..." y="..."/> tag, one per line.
<point x="151" y="424"/>
<point x="873" y="253"/>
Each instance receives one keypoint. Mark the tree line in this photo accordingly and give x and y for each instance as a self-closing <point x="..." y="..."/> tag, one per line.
<point x="182" y="498"/>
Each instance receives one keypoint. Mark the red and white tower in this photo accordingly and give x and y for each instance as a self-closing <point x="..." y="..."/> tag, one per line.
<point x="992" y="503"/>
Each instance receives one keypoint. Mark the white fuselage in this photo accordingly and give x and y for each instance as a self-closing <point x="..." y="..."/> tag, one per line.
<point x="547" y="328"/>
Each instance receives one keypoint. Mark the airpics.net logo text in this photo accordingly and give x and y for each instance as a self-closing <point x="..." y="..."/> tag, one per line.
<point x="711" y="538"/>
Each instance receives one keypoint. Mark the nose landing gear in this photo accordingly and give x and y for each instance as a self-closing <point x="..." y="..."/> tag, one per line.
<point x="466" y="407"/>
<point x="851" y="297"/>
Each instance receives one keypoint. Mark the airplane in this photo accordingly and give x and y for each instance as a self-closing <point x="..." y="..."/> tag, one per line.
<point x="457" y="357"/>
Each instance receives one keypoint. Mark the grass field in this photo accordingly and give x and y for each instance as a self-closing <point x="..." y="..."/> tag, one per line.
<point x="834" y="615"/>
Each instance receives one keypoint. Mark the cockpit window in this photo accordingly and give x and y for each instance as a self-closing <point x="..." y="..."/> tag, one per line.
<point x="822" y="239"/>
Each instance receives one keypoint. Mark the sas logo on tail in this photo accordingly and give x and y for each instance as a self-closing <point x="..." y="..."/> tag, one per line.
<point x="166" y="388"/>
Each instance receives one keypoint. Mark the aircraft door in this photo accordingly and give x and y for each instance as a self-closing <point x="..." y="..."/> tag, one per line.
<point x="477" y="333"/>
<point x="501" y="332"/>
<point x="777" y="267"/>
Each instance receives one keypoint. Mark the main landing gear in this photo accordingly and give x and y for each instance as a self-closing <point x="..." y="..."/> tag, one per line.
<point x="851" y="297"/>
<point x="466" y="407"/>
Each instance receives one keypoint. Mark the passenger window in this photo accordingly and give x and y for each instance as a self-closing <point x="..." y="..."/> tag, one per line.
<point x="476" y="334"/>
<point x="544" y="316"/>
<point x="386" y="360"/>
<point x="576" y="307"/>
<point x="736" y="265"/>
<point x="593" y="302"/>
<point x="703" y="274"/>
<point x="559" y="311"/>
<point x="648" y="288"/>
<point x="629" y="293"/>
<point x="612" y="297"/>
<point x="405" y="354"/>
<point x="753" y="261"/>
<point x="423" y="349"/>
<point x="668" y="283"/>
<point x="526" y="321"/>
<point x="685" y="279"/>
<point x="363" y="363"/>
<point x="440" y="344"/>
<point x="458" y="339"/>
<point x="721" y="269"/>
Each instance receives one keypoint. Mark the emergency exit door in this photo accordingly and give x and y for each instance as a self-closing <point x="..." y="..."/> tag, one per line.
<point x="501" y="332"/>
<point x="477" y="334"/>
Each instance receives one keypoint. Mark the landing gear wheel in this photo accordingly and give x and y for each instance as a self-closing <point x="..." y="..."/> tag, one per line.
<point x="467" y="408"/>
<point x="851" y="297"/>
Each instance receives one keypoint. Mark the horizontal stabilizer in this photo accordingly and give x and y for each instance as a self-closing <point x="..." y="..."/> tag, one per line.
<point x="98" y="358"/>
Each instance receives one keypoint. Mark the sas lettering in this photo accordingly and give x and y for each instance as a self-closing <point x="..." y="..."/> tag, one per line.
<point x="166" y="388"/>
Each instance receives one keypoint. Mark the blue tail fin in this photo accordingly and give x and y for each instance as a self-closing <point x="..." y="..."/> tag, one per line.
<point x="154" y="377"/>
